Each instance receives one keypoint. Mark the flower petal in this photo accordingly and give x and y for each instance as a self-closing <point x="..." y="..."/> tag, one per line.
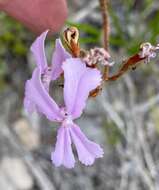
<point x="59" y="56"/>
<point x="36" y="93"/>
<point x="79" y="81"/>
<point x="38" y="50"/>
<point x="63" y="154"/>
<point x="87" y="150"/>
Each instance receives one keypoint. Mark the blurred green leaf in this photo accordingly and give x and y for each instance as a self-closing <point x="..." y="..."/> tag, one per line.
<point x="14" y="43"/>
<point x="19" y="48"/>
<point x="153" y="28"/>
<point x="113" y="134"/>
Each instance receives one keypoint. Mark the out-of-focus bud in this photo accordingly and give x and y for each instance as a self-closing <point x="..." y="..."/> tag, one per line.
<point x="71" y="37"/>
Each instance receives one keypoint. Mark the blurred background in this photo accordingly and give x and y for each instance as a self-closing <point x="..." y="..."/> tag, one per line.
<point x="123" y="119"/>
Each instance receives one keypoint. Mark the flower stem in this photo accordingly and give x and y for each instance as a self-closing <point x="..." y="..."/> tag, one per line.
<point x="106" y="29"/>
<point x="131" y="63"/>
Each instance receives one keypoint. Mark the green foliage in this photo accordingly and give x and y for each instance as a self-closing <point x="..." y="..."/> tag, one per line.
<point x="3" y="71"/>
<point x="14" y="37"/>
<point x="132" y="27"/>
<point x="113" y="135"/>
<point x="14" y="43"/>
<point x="154" y="27"/>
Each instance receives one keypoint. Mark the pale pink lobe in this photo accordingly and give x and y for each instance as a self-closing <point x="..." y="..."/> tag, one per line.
<point x="87" y="150"/>
<point x="79" y="81"/>
<point x="37" y="94"/>
<point x="58" y="57"/>
<point x="47" y="73"/>
<point x="63" y="154"/>
<point x="37" y="15"/>
<point x="38" y="51"/>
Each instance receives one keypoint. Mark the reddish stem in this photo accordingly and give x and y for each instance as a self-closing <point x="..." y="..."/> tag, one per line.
<point x="106" y="30"/>
<point x="132" y="62"/>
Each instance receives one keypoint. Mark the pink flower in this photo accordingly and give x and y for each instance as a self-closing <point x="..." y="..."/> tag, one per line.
<point x="148" y="51"/>
<point x="48" y="72"/>
<point x="97" y="56"/>
<point x="79" y="80"/>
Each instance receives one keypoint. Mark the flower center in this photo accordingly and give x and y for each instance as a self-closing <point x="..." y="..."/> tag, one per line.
<point x="67" y="119"/>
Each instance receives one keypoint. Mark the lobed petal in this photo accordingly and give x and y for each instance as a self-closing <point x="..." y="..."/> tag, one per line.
<point x="79" y="81"/>
<point x="87" y="150"/>
<point x="38" y="51"/>
<point x="63" y="154"/>
<point x="38" y="96"/>
<point x="59" y="56"/>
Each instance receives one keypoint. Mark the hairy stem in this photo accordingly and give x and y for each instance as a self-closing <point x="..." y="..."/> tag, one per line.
<point x="106" y="29"/>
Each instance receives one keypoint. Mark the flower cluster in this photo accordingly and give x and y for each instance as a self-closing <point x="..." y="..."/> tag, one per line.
<point x="148" y="51"/>
<point x="97" y="56"/>
<point x="79" y="81"/>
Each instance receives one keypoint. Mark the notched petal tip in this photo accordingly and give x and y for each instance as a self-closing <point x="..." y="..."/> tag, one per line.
<point x="87" y="150"/>
<point x="63" y="154"/>
<point x="96" y="153"/>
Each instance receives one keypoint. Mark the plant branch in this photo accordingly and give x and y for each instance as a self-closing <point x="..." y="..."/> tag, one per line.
<point x="146" y="52"/>
<point x="106" y="30"/>
<point x="131" y="63"/>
